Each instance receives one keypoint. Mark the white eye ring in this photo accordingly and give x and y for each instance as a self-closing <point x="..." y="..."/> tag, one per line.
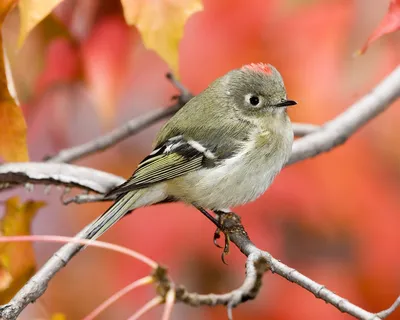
<point x="253" y="100"/>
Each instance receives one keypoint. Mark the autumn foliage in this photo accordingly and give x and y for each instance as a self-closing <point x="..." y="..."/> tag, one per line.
<point x="81" y="68"/>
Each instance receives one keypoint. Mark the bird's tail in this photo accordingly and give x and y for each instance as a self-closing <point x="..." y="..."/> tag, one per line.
<point x="124" y="204"/>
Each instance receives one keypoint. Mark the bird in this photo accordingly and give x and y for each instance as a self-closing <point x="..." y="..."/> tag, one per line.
<point x="222" y="149"/>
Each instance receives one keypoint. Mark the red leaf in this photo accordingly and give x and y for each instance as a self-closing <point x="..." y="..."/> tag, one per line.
<point x="390" y="23"/>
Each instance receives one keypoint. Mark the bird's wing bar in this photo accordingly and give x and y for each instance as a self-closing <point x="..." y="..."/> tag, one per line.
<point x="173" y="158"/>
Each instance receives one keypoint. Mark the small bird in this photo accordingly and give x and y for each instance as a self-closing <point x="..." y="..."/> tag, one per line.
<point x="220" y="150"/>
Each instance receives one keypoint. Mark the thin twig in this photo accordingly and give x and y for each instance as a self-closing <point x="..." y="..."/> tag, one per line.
<point x="303" y="129"/>
<point x="61" y="174"/>
<point x="332" y="134"/>
<point x="257" y="263"/>
<point x="147" y="307"/>
<point x="108" y="140"/>
<point x="126" y="130"/>
<point x="116" y="296"/>
<point x="37" y="285"/>
<point x="177" y="84"/>
<point x="135" y="125"/>
<point x="91" y="243"/>
<point x="383" y="314"/>
<point x="169" y="304"/>
<point x="85" y="198"/>
<point x="338" y="130"/>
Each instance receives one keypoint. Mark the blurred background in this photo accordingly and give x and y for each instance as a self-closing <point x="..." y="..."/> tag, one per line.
<point x="335" y="218"/>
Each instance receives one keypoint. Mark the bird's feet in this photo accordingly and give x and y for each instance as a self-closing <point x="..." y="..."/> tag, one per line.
<point x="217" y="233"/>
<point x="227" y="222"/>
<point x="221" y="216"/>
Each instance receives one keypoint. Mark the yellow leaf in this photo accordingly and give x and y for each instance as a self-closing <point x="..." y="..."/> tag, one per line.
<point x="17" y="261"/>
<point x="12" y="123"/>
<point x="31" y="13"/>
<point x="58" y="316"/>
<point x="161" y="24"/>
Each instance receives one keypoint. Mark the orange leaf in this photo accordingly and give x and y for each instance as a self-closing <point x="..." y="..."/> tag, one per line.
<point x="12" y="123"/>
<point x="17" y="261"/>
<point x="31" y="12"/>
<point x="58" y="316"/>
<point x="105" y="56"/>
<point x="161" y="24"/>
<point x="390" y="23"/>
<point x="12" y="132"/>
<point x="5" y="7"/>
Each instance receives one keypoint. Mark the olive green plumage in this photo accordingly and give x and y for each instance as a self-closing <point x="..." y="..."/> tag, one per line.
<point x="222" y="149"/>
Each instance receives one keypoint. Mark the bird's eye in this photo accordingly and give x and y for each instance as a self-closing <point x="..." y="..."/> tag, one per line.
<point x="254" y="100"/>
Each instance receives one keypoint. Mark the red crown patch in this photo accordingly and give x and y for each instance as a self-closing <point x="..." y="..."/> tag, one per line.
<point x="258" y="67"/>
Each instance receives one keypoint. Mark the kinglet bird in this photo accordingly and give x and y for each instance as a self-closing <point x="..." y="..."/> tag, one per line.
<point x="222" y="149"/>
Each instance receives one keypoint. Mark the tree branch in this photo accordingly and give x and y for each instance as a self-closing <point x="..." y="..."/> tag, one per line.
<point x="385" y="313"/>
<point x="332" y="134"/>
<point x="303" y="129"/>
<point x="135" y="125"/>
<point x="59" y="174"/>
<point x="126" y="130"/>
<point x="337" y="131"/>
<point x="108" y="140"/>
<point x="257" y="263"/>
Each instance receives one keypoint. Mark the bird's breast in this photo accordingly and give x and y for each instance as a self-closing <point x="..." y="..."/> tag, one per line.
<point x="241" y="178"/>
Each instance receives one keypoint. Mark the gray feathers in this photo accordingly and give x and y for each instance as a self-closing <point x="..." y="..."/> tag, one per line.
<point x="175" y="157"/>
<point x="222" y="149"/>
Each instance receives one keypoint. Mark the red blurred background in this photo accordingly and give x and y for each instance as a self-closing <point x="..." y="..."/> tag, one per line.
<point x="335" y="218"/>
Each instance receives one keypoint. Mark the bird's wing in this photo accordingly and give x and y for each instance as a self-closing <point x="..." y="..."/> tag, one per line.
<point x="173" y="158"/>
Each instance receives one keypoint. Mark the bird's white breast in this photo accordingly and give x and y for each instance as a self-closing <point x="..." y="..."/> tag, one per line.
<point x="239" y="179"/>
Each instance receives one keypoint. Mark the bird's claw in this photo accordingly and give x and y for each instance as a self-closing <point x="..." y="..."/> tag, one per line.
<point x="217" y="235"/>
<point x="218" y="221"/>
<point x="226" y="248"/>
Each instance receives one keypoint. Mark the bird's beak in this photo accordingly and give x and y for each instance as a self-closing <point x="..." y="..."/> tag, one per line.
<point x="286" y="103"/>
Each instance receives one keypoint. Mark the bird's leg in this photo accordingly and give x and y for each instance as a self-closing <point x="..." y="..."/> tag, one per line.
<point x="217" y="231"/>
<point x="217" y="234"/>
<point x="219" y="223"/>
<point x="209" y="216"/>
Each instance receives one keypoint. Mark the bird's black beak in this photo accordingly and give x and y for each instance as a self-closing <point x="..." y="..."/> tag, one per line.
<point x="286" y="103"/>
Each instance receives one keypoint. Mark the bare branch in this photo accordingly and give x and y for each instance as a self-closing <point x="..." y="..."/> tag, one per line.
<point x="81" y="242"/>
<point x="169" y="304"/>
<point x="85" y="198"/>
<point x="116" y="296"/>
<point x="147" y="307"/>
<point x="331" y="135"/>
<point x="181" y="88"/>
<point x="67" y="175"/>
<point x="37" y="285"/>
<point x="303" y="129"/>
<point x="256" y="265"/>
<point x="385" y="313"/>
<point x="126" y="130"/>
<point x="108" y="140"/>
<point x="258" y="262"/>
<point x="338" y="130"/>
<point x="135" y="125"/>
